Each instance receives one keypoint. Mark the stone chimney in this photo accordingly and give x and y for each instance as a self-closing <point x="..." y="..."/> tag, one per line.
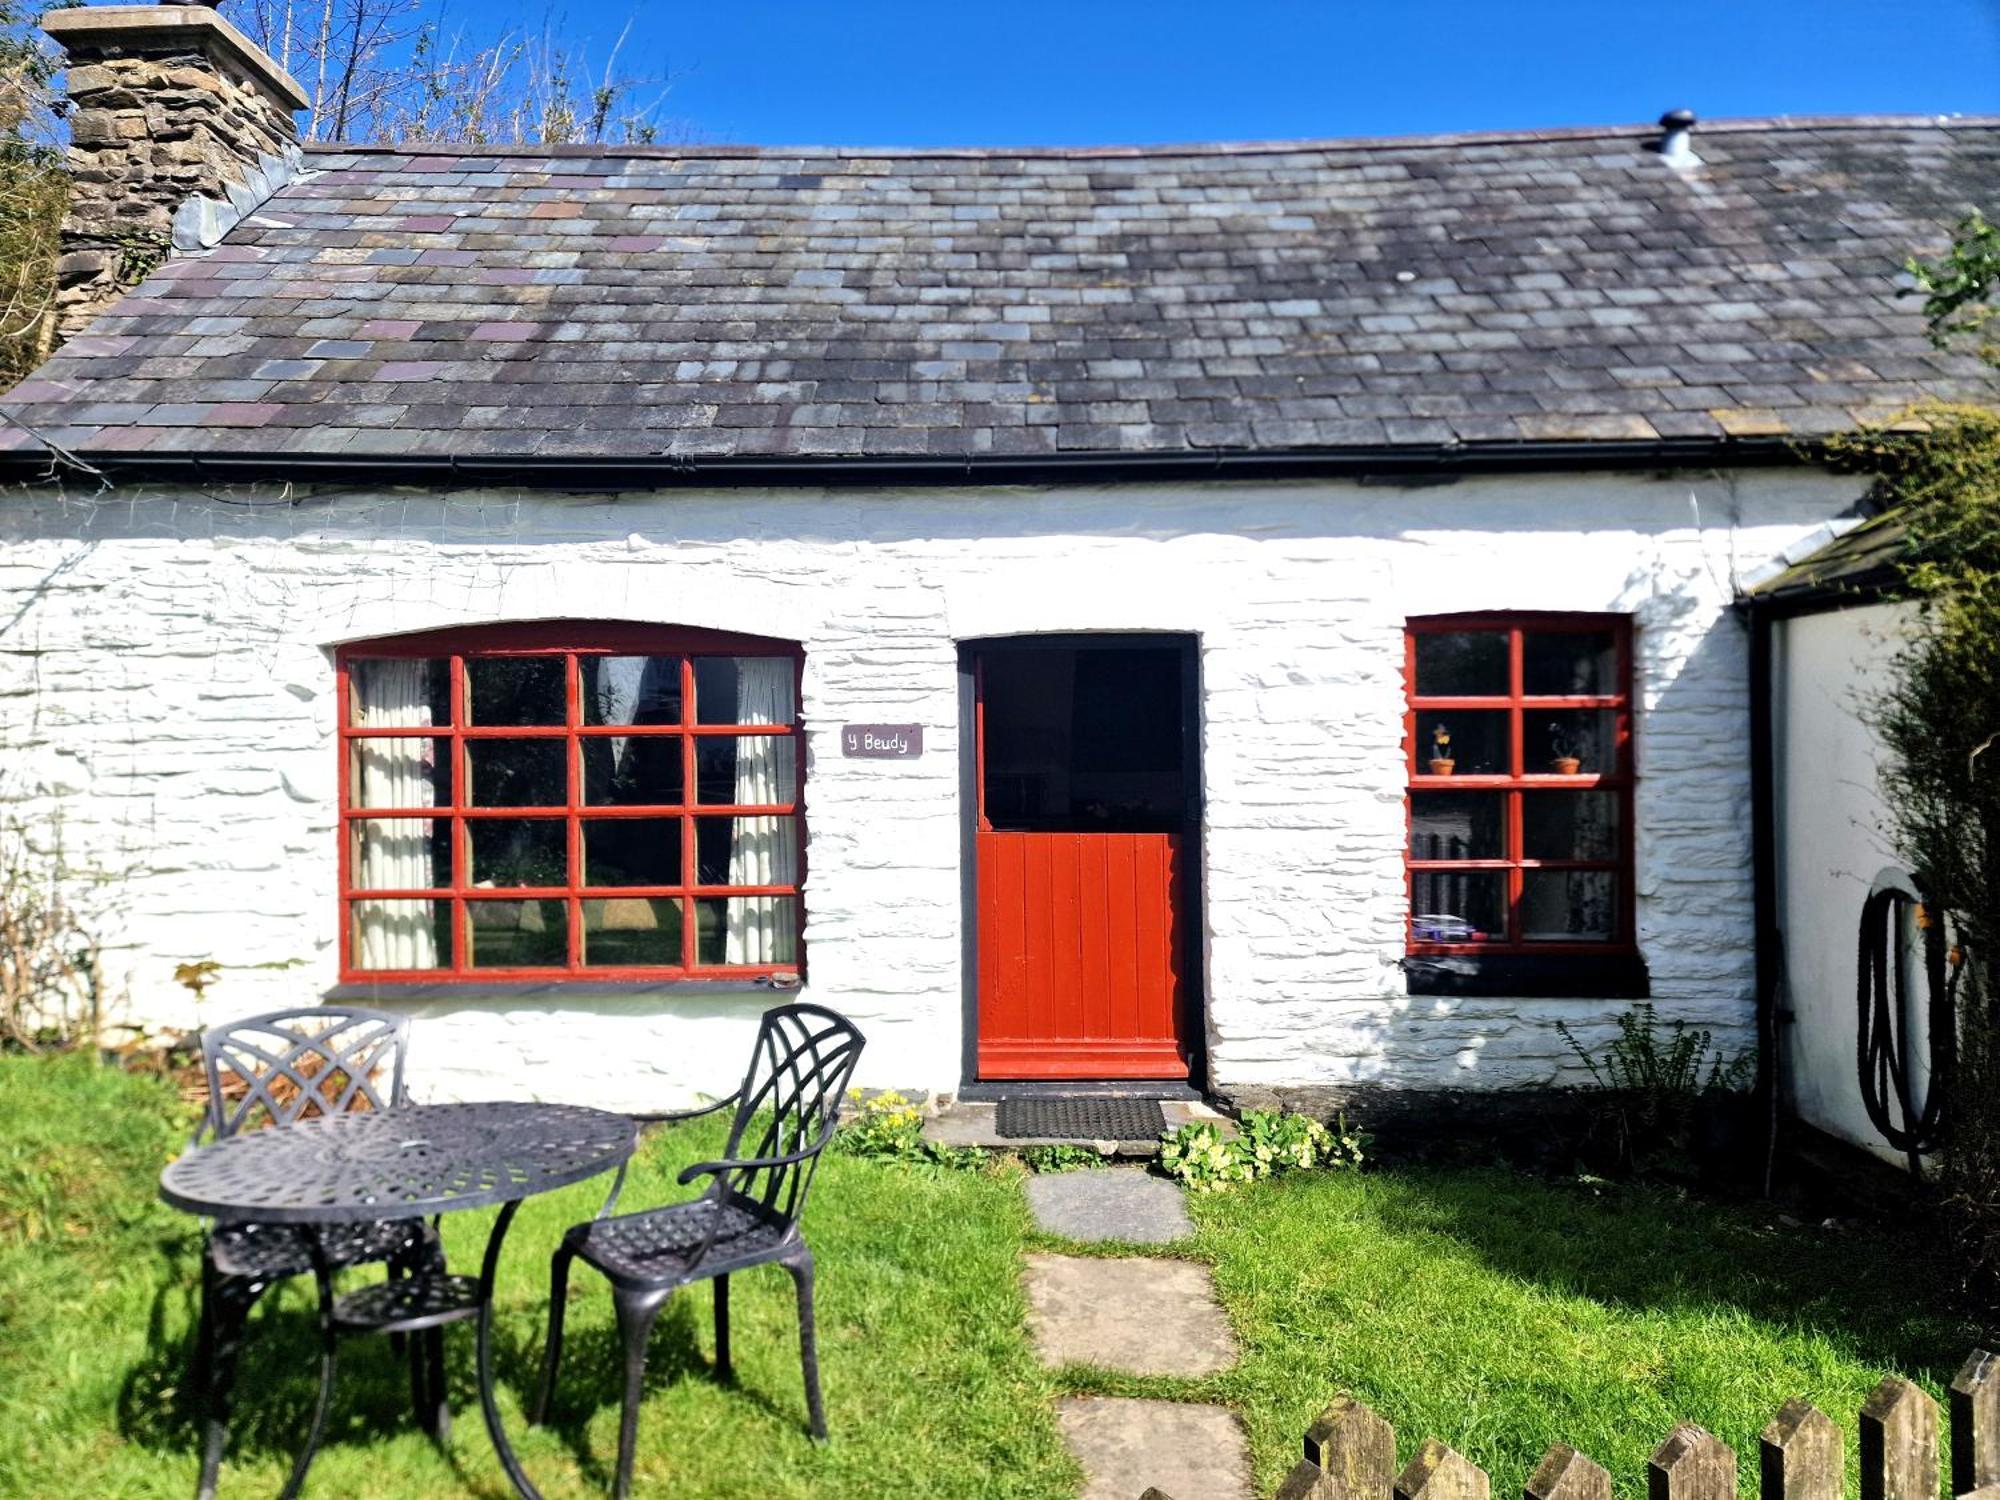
<point x="179" y="126"/>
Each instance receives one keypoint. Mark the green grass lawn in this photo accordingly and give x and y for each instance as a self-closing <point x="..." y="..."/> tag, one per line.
<point x="1503" y="1314"/>
<point x="931" y="1387"/>
<point x="1492" y="1310"/>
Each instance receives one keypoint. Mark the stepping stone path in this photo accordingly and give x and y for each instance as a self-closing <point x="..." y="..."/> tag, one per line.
<point x="1122" y="1204"/>
<point x="1139" y="1316"/>
<point x="1127" y="1446"/>
<point x="1147" y="1317"/>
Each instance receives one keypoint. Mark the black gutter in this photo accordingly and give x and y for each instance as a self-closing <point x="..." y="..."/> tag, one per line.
<point x="1877" y="586"/>
<point x="1768" y="944"/>
<point x="1417" y="463"/>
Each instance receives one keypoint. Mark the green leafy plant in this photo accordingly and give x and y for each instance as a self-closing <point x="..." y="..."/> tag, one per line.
<point x="884" y="1124"/>
<point x="1060" y="1158"/>
<point x="1199" y="1157"/>
<point x="1657" y="1082"/>
<point x="1958" y="286"/>
<point x="889" y="1127"/>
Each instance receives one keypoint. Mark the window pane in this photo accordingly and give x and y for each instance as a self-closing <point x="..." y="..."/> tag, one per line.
<point x="1569" y="906"/>
<point x="516" y="689"/>
<point x="747" y="851"/>
<point x="519" y="851"/>
<point x="1551" y="739"/>
<point x="399" y="773"/>
<point x="1458" y="906"/>
<point x="518" y="934"/>
<point x="632" y="851"/>
<point x="516" y="773"/>
<point x="401" y="934"/>
<point x="1458" y="825"/>
<point x="744" y="690"/>
<point x="747" y="770"/>
<point x="1570" y="663"/>
<point x="1462" y="664"/>
<point x="400" y="854"/>
<point x="631" y="689"/>
<point x="1569" y="825"/>
<point x="1474" y="740"/>
<point x="399" y="694"/>
<point x="632" y="771"/>
<point x="747" y="930"/>
<point x="627" y="932"/>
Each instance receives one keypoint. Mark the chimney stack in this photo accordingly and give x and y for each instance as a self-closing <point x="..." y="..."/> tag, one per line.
<point x="179" y="125"/>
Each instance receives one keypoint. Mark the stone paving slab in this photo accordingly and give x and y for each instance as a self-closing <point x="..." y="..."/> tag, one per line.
<point x="1125" y="1446"/>
<point x="1145" y="1317"/>
<point x="1121" y="1203"/>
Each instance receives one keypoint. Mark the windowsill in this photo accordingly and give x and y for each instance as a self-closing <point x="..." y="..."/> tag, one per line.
<point x="1595" y="976"/>
<point x="554" y="990"/>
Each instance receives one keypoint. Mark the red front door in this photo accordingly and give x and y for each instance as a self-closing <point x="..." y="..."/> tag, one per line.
<point x="1082" y="850"/>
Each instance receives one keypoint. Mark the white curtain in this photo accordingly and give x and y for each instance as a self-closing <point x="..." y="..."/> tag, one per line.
<point x="395" y="853"/>
<point x="763" y="851"/>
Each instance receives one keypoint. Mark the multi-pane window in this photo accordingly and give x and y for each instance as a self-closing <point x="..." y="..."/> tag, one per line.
<point x="567" y="799"/>
<point x="1519" y="736"/>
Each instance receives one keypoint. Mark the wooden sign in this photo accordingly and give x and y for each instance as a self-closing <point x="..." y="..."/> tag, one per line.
<point x="882" y="741"/>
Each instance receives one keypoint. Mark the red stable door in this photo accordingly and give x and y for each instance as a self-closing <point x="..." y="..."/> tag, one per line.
<point x="1084" y="848"/>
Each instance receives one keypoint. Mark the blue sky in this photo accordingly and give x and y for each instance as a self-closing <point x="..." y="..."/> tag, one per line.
<point x="900" y="72"/>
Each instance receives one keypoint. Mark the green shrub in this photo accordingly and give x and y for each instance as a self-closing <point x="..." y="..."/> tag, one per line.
<point x="1658" y="1085"/>
<point x="1202" y="1159"/>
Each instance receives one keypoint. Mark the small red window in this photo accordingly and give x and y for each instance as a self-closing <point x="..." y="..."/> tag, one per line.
<point x="564" y="799"/>
<point x="1519" y="735"/>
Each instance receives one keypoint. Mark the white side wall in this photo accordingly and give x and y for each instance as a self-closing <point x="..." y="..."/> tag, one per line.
<point x="166" y="700"/>
<point x="1832" y="843"/>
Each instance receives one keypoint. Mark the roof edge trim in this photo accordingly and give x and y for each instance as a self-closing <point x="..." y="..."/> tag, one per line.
<point x="1429" y="463"/>
<point x="1646" y="131"/>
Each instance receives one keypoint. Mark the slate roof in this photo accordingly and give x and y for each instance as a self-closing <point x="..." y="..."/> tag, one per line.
<point x="697" y="306"/>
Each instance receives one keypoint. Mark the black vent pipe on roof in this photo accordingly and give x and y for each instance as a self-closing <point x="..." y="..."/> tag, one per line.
<point x="1676" y="127"/>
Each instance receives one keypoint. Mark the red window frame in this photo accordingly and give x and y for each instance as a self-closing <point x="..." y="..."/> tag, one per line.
<point x="1514" y="864"/>
<point x="573" y="641"/>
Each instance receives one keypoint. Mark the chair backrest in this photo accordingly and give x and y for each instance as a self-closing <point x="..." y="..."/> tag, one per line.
<point x="803" y="1058"/>
<point x="297" y="1064"/>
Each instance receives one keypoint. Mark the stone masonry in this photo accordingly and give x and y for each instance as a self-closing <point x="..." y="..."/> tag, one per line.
<point x="166" y="702"/>
<point x="167" y="102"/>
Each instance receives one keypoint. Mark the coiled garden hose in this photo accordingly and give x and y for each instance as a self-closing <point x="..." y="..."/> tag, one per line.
<point x="1882" y="1045"/>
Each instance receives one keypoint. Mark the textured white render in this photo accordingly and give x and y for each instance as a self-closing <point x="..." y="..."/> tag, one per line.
<point x="1832" y="843"/>
<point x="166" y="705"/>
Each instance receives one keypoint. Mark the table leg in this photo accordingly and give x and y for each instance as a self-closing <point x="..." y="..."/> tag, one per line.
<point x="329" y="1343"/>
<point x="487" y="1404"/>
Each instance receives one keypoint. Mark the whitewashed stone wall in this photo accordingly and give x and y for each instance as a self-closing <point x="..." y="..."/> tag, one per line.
<point x="166" y="709"/>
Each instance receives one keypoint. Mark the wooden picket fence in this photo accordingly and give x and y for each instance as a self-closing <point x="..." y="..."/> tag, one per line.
<point x="1350" y="1454"/>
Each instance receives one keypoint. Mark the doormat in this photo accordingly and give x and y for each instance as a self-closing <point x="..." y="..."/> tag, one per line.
<point x="1081" y="1119"/>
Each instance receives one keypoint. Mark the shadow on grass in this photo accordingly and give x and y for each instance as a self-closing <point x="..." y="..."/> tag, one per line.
<point x="1878" y="1291"/>
<point x="278" y="1373"/>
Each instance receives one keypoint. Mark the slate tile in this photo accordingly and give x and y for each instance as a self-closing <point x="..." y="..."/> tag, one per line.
<point x="973" y="303"/>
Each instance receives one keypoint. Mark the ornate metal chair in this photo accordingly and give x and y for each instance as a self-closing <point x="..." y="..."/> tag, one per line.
<point x="799" y="1068"/>
<point x="271" y="1071"/>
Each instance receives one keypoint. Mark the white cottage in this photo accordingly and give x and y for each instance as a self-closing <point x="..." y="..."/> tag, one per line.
<point x="1250" y="619"/>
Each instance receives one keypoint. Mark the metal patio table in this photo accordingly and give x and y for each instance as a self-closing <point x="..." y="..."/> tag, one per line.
<point x="413" y="1162"/>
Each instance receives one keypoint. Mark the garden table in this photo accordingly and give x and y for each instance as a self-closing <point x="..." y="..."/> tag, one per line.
<point x="410" y="1162"/>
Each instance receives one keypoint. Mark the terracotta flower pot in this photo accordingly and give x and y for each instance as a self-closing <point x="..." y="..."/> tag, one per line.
<point x="1566" y="765"/>
<point x="1441" y="766"/>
